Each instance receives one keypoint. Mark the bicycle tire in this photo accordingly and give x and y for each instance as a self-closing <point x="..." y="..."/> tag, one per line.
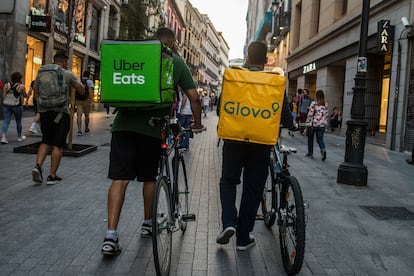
<point x="269" y="196"/>
<point x="181" y="188"/>
<point x="162" y="223"/>
<point x="292" y="226"/>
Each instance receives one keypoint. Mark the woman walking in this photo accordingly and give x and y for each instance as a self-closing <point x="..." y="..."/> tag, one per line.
<point x="14" y="91"/>
<point x="318" y="120"/>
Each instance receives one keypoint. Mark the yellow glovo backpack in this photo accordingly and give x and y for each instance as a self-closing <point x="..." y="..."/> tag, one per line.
<point x="251" y="106"/>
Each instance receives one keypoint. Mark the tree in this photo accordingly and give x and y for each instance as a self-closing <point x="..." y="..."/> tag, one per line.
<point x="134" y="19"/>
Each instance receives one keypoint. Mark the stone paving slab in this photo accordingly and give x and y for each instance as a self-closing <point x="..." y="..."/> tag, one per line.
<point x="58" y="230"/>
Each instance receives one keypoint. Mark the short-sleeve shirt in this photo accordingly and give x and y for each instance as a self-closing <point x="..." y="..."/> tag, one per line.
<point x="135" y="120"/>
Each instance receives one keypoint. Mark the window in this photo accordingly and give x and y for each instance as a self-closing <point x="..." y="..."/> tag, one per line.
<point x="38" y="7"/>
<point x="296" y="25"/>
<point x="316" y="5"/>
<point x="34" y="59"/>
<point x="94" y="40"/>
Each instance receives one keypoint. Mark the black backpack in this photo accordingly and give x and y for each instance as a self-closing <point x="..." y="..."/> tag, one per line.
<point x="85" y="96"/>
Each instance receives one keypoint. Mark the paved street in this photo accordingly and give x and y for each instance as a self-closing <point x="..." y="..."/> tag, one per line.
<point x="58" y="230"/>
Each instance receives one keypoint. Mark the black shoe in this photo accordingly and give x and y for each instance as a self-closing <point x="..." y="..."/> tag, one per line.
<point x="225" y="235"/>
<point x="87" y="130"/>
<point x="37" y="174"/>
<point x="324" y="156"/>
<point x="111" y="247"/>
<point x="250" y="243"/>
<point x="308" y="155"/>
<point x="411" y="162"/>
<point x="51" y="180"/>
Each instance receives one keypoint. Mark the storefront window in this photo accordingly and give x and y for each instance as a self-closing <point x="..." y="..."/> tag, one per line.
<point x="38" y="7"/>
<point x="34" y="59"/>
<point x="61" y="18"/>
<point x="77" y="66"/>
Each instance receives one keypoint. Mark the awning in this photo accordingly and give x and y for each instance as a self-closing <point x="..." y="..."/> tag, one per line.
<point x="265" y="26"/>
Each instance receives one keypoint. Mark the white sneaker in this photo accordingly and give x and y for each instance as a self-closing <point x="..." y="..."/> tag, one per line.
<point x="4" y="140"/>
<point x="33" y="130"/>
<point x="21" y="138"/>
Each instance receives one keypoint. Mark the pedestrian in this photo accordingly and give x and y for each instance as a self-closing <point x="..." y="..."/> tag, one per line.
<point x="107" y="109"/>
<point x="206" y="103"/>
<point x="318" y="120"/>
<point x="136" y="151"/>
<point x="13" y="94"/>
<point x="36" y="120"/>
<point x="336" y="119"/>
<point x="83" y="103"/>
<point x="411" y="162"/>
<point x="251" y="159"/>
<point x="54" y="119"/>
<point x="303" y="106"/>
<point x="185" y="116"/>
<point x="299" y="95"/>
<point x="294" y="109"/>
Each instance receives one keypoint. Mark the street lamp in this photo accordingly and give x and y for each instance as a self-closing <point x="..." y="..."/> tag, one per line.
<point x="352" y="171"/>
<point x="407" y="29"/>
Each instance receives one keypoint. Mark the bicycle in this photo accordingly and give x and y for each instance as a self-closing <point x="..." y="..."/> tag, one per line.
<point x="170" y="200"/>
<point x="282" y="199"/>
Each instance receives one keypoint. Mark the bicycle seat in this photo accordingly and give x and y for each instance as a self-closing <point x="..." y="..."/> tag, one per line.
<point x="285" y="149"/>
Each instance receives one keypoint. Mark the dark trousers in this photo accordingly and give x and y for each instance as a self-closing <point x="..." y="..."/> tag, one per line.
<point x="318" y="131"/>
<point x="302" y="119"/>
<point x="253" y="160"/>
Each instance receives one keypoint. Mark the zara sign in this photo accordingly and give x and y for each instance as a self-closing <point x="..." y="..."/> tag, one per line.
<point x="384" y="36"/>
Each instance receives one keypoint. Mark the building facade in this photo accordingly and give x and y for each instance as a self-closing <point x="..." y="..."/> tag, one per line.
<point x="34" y="30"/>
<point x="317" y="42"/>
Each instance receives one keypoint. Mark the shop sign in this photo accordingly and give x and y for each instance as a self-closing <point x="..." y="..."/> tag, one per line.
<point x="309" y="68"/>
<point x="384" y="36"/>
<point x="40" y="23"/>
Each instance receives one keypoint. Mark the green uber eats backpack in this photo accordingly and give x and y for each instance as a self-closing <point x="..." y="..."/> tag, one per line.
<point x="52" y="88"/>
<point x="137" y="74"/>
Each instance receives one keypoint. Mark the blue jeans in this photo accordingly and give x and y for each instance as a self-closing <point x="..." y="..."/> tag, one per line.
<point x="253" y="160"/>
<point x="17" y="111"/>
<point x="318" y="131"/>
<point x="185" y="122"/>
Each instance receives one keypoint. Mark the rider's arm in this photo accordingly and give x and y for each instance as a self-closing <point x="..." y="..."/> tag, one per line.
<point x="195" y="106"/>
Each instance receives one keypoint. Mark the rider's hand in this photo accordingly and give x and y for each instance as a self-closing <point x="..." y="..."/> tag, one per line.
<point x="197" y="128"/>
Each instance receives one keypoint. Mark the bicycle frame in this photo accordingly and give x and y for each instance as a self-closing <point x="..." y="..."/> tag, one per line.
<point x="288" y="207"/>
<point x="170" y="136"/>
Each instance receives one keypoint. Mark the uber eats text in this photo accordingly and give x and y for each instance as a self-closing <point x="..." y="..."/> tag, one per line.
<point x="125" y="77"/>
<point x="236" y="108"/>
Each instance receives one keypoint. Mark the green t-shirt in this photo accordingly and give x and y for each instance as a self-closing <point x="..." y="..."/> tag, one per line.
<point x="136" y="120"/>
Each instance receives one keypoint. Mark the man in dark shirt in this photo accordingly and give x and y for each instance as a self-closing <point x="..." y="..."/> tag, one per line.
<point x="253" y="160"/>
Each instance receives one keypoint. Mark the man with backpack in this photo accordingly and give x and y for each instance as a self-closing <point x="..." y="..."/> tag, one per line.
<point x="52" y="91"/>
<point x="303" y="107"/>
<point x="136" y="151"/>
<point x="253" y="160"/>
<point x="83" y="102"/>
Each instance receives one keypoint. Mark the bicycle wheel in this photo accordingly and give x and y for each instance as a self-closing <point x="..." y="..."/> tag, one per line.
<point x="292" y="226"/>
<point x="182" y="183"/>
<point x="162" y="223"/>
<point x="269" y="196"/>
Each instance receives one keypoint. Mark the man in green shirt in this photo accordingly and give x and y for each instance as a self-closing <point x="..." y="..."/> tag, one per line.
<point x="135" y="149"/>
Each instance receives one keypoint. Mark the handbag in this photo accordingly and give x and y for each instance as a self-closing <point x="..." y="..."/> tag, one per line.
<point x="309" y="130"/>
<point x="10" y="99"/>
